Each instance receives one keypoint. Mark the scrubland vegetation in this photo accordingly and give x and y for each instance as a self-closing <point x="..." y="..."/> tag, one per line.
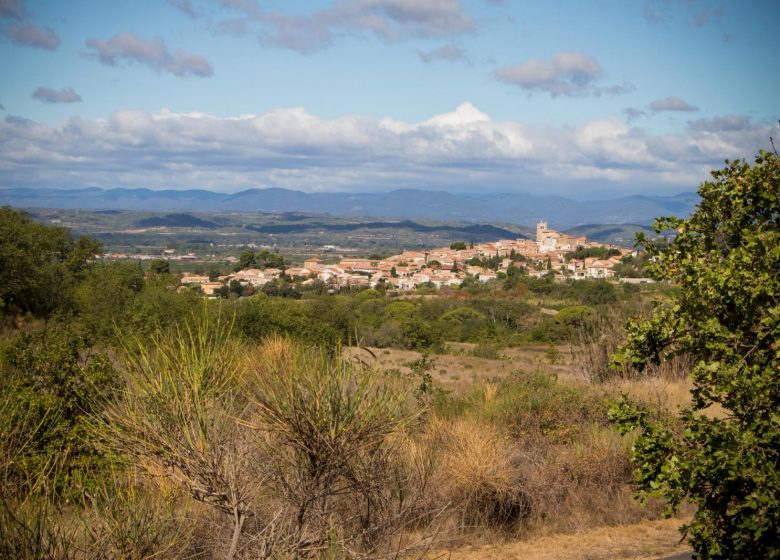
<point x="217" y="446"/>
<point x="141" y="422"/>
<point x="244" y="427"/>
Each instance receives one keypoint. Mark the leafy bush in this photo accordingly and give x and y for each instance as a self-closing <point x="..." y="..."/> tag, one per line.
<point x="51" y="384"/>
<point x="105" y="297"/>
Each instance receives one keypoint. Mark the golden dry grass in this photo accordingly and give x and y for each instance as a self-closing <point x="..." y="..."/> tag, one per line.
<point x="458" y="371"/>
<point x="475" y="473"/>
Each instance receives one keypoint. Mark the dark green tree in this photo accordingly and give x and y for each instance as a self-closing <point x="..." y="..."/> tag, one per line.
<point x="82" y="252"/>
<point x="590" y="252"/>
<point x="157" y="306"/>
<point x="214" y="273"/>
<point x="597" y="292"/>
<point x="39" y="264"/>
<point x="104" y="299"/>
<point x="267" y="259"/>
<point x="726" y="261"/>
<point x="235" y="288"/>
<point x="458" y="245"/>
<point x="514" y="277"/>
<point x="160" y="266"/>
<point x="246" y="260"/>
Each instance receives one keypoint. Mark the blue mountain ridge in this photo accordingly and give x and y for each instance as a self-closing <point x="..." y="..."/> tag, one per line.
<point x="511" y="208"/>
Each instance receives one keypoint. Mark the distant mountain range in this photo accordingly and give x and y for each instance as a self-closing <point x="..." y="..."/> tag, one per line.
<point x="511" y="208"/>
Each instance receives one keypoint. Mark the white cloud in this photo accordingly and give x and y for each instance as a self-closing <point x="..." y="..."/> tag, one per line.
<point x="49" y="95"/>
<point x="447" y="52"/>
<point x="671" y="104"/>
<point x="128" y="48"/>
<point x="465" y="114"/>
<point x="32" y="36"/>
<point x="571" y="74"/>
<point x="461" y="150"/>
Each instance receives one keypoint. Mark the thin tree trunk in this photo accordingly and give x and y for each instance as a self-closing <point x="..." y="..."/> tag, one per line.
<point x="238" y="524"/>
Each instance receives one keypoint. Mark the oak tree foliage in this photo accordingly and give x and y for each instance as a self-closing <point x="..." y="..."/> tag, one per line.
<point x="722" y="452"/>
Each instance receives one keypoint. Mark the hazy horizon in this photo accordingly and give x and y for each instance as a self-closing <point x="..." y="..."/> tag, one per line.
<point x="589" y="195"/>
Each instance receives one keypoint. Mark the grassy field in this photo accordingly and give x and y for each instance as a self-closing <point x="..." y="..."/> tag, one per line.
<point x="458" y="370"/>
<point x="582" y="523"/>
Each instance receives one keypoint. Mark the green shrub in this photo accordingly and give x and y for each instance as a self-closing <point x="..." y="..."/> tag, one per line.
<point x="486" y="350"/>
<point x="531" y="405"/>
<point x="52" y="383"/>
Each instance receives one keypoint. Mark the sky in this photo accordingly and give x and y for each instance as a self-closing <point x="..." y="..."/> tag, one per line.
<point x="582" y="98"/>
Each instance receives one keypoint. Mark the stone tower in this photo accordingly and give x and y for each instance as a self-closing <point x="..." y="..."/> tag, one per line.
<point x="541" y="229"/>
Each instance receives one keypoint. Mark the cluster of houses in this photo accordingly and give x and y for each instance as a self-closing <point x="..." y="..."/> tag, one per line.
<point x="439" y="267"/>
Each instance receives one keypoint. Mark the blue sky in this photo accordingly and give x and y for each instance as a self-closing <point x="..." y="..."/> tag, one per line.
<point x="578" y="98"/>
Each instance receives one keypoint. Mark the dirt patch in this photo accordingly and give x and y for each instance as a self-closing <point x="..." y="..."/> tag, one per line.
<point x="651" y="540"/>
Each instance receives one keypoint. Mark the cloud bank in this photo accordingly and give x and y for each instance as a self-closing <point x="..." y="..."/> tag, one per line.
<point x="390" y="20"/>
<point x="464" y="150"/>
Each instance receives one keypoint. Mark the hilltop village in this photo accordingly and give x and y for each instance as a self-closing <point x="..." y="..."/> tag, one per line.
<point x="551" y="253"/>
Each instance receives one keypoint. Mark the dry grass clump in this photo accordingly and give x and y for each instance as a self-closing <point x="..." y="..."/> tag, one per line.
<point x="329" y="431"/>
<point x="475" y="473"/>
<point x="582" y="485"/>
